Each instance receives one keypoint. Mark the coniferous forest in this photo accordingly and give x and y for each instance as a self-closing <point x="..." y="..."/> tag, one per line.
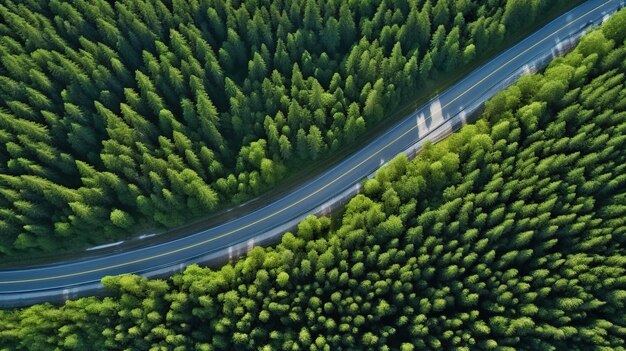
<point x="120" y="117"/>
<point x="507" y="235"/>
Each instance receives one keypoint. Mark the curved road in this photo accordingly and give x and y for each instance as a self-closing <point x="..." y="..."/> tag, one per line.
<point x="432" y="121"/>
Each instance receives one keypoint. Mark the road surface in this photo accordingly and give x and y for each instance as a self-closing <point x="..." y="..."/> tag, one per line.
<point x="432" y="121"/>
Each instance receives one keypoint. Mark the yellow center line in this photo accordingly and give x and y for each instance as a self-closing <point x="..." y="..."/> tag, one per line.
<point x="313" y="193"/>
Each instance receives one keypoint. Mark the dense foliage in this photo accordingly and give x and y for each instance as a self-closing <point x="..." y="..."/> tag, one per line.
<point x="509" y="235"/>
<point x="122" y="115"/>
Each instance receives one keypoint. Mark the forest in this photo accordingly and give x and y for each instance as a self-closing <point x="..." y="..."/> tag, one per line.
<point x="508" y="235"/>
<point x="123" y="117"/>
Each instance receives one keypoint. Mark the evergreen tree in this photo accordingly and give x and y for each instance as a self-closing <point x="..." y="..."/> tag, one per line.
<point x="160" y="99"/>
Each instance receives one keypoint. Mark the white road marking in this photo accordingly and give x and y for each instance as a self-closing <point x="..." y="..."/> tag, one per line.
<point x="104" y="246"/>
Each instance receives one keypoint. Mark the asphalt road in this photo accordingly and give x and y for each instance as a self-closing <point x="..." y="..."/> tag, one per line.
<point x="432" y="121"/>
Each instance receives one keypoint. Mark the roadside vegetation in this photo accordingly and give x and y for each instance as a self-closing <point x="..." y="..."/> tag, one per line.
<point x="508" y="235"/>
<point x="122" y="117"/>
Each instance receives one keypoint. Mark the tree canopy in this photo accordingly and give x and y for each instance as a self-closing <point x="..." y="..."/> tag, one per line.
<point x="509" y="234"/>
<point x="123" y="116"/>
